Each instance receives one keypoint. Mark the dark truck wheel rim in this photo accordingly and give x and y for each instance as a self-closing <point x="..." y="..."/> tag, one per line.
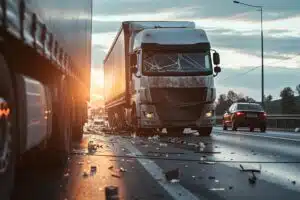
<point x="5" y="136"/>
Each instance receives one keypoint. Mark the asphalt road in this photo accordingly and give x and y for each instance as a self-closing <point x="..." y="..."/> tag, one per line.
<point x="208" y="168"/>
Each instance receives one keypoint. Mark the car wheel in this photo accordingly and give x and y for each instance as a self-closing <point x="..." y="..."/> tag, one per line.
<point x="251" y="129"/>
<point x="234" y="126"/>
<point x="205" y="131"/>
<point x="263" y="129"/>
<point x="224" y="127"/>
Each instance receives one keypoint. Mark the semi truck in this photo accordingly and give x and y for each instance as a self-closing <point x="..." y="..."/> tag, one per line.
<point x="45" y="49"/>
<point x="159" y="74"/>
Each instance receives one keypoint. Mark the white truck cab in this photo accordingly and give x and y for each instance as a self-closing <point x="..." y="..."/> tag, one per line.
<point x="173" y="82"/>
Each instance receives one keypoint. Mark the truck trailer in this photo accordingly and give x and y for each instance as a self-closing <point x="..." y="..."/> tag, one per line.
<point x="45" y="60"/>
<point x="159" y="74"/>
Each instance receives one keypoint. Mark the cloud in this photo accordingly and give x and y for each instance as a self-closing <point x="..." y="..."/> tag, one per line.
<point x="273" y="9"/>
<point x="98" y="55"/>
<point x="250" y="83"/>
<point x="105" y="26"/>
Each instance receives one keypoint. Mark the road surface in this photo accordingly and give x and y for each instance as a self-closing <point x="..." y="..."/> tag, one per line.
<point x="209" y="168"/>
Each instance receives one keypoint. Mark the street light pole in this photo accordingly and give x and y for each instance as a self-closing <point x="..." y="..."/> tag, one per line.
<point x="262" y="48"/>
<point x="262" y="60"/>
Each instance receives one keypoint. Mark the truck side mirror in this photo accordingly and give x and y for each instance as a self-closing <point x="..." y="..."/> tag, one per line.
<point x="216" y="58"/>
<point x="133" y="59"/>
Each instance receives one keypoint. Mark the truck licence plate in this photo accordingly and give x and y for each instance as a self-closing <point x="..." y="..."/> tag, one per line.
<point x="252" y="115"/>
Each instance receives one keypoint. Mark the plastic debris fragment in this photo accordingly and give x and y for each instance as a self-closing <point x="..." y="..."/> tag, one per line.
<point x="122" y="169"/>
<point x="172" y="174"/>
<point x="111" y="193"/>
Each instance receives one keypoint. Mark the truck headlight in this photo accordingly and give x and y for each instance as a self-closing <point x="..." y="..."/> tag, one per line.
<point x="149" y="115"/>
<point x="209" y="114"/>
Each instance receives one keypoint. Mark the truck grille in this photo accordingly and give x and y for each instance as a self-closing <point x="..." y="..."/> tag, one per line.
<point x="178" y="95"/>
<point x="171" y="113"/>
<point x="170" y="103"/>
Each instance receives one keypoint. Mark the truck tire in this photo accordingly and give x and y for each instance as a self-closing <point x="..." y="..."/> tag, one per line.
<point x="77" y="133"/>
<point x="60" y="142"/>
<point x="8" y="132"/>
<point x="205" y="131"/>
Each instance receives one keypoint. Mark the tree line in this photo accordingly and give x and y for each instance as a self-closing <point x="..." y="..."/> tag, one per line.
<point x="289" y="102"/>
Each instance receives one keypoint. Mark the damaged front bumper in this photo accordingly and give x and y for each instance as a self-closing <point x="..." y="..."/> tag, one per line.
<point x="164" y="116"/>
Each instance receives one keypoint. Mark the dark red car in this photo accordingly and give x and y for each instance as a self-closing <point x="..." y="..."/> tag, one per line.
<point x="249" y="115"/>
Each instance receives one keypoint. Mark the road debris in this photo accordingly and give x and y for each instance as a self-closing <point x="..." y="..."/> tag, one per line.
<point x="250" y="170"/>
<point x="93" y="169"/>
<point x="85" y="174"/>
<point x="111" y="167"/>
<point x="172" y="175"/>
<point x="80" y="163"/>
<point x="294" y="182"/>
<point x="230" y="187"/>
<point x="163" y="144"/>
<point x="174" y="181"/>
<point x="92" y="147"/>
<point x="122" y="169"/>
<point x="211" y="178"/>
<point x="116" y="175"/>
<point x="217" y="189"/>
<point x="66" y="174"/>
<point x="252" y="179"/>
<point x="111" y="193"/>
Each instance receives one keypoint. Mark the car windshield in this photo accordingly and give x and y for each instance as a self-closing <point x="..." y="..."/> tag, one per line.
<point x="254" y="107"/>
<point x="176" y="62"/>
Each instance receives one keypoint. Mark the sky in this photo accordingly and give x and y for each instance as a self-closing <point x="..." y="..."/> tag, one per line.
<point x="233" y="30"/>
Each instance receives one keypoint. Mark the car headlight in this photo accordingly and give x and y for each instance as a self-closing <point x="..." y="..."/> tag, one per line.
<point x="209" y="114"/>
<point x="149" y="115"/>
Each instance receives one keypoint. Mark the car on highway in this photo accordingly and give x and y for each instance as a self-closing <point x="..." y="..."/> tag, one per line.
<point x="250" y="115"/>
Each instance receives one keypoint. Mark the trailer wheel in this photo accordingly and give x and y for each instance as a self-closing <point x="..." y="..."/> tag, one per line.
<point x="8" y="132"/>
<point x="59" y="145"/>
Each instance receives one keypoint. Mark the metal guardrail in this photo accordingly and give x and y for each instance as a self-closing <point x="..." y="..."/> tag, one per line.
<point x="282" y="121"/>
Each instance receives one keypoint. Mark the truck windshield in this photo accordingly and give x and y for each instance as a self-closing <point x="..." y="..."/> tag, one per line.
<point x="170" y="62"/>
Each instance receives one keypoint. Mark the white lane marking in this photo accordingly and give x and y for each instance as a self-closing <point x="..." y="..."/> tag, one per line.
<point x="177" y="191"/>
<point x="254" y="135"/>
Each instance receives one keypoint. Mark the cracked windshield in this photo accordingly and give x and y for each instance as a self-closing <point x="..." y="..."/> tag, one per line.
<point x="149" y="100"/>
<point x="177" y="62"/>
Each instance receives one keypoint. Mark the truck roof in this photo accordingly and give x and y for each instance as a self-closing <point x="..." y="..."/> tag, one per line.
<point x="167" y="36"/>
<point x="140" y="25"/>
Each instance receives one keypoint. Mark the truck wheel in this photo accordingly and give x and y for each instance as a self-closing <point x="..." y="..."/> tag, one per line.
<point x="59" y="145"/>
<point x="8" y="132"/>
<point x="205" y="131"/>
<point x="77" y="133"/>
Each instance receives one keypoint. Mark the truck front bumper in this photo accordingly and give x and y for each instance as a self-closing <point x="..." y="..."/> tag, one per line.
<point x="165" y="116"/>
